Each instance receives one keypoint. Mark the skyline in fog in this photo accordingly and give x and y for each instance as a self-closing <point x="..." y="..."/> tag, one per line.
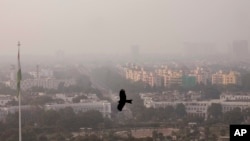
<point x="110" y="27"/>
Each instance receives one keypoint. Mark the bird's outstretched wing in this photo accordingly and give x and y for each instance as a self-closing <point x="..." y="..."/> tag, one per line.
<point x="120" y="105"/>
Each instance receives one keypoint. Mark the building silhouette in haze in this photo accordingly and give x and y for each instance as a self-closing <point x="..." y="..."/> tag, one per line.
<point x="135" y="53"/>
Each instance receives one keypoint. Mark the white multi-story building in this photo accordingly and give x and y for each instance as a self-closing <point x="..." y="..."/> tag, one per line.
<point x="69" y="97"/>
<point x="4" y="111"/>
<point x="43" y="73"/>
<point x="228" y="106"/>
<point x="200" y="108"/>
<point x="66" y="99"/>
<point x="231" y="97"/>
<point x="48" y="83"/>
<point x="102" y="106"/>
<point x="4" y="99"/>
<point x="14" y="109"/>
<point x="194" y="108"/>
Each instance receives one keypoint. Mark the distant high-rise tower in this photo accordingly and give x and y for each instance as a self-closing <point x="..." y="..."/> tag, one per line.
<point x="199" y="48"/>
<point x="135" y="50"/>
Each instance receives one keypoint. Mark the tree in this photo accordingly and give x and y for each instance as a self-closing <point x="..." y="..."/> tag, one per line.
<point x="161" y="136"/>
<point x="169" y="111"/>
<point x="61" y="87"/>
<point x="42" y="138"/>
<point x="246" y="81"/>
<point x="12" y="120"/>
<point x="90" y="119"/>
<point x="37" y="89"/>
<point x="154" y="135"/>
<point x="50" y="117"/>
<point x="162" y="114"/>
<point x="222" y="132"/>
<point x="57" y="137"/>
<point x="78" y="98"/>
<point x="180" y="110"/>
<point x="28" y="134"/>
<point x="79" y="138"/>
<point x="83" y="81"/>
<point x="10" y="135"/>
<point x="211" y="92"/>
<point x="215" y="110"/>
<point x="234" y="116"/>
<point x="41" y="100"/>
<point x="246" y="113"/>
<point x="67" y="118"/>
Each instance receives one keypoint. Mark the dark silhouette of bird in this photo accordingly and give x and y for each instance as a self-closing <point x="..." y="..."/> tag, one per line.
<point x="123" y="100"/>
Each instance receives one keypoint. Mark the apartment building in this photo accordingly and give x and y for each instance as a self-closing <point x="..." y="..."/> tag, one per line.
<point x="173" y="78"/>
<point x="201" y="75"/>
<point x="220" y="78"/>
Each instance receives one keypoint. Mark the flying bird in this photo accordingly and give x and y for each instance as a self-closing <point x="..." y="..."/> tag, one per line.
<point x="123" y="100"/>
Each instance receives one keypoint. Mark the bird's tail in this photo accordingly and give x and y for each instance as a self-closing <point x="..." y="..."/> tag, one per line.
<point x="129" y="101"/>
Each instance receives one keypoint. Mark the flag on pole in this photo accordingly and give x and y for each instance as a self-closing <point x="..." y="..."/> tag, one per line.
<point x="19" y="73"/>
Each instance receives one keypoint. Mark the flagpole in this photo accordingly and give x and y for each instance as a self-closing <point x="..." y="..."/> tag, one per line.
<point x="20" y="125"/>
<point x="19" y="98"/>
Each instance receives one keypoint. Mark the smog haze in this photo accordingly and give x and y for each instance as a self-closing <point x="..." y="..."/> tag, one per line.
<point x="112" y="27"/>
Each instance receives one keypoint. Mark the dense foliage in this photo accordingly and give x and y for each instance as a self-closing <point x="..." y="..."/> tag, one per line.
<point x="37" y="123"/>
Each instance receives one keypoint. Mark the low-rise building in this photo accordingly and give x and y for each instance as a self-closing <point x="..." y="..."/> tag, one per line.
<point x="4" y="99"/>
<point x="233" y="97"/>
<point x="102" y="106"/>
<point x="192" y="108"/>
<point x="4" y="111"/>
<point x="66" y="99"/>
<point x="199" y="108"/>
<point x="48" y="83"/>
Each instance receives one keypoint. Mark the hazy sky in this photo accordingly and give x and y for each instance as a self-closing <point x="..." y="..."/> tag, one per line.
<point x="109" y="26"/>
